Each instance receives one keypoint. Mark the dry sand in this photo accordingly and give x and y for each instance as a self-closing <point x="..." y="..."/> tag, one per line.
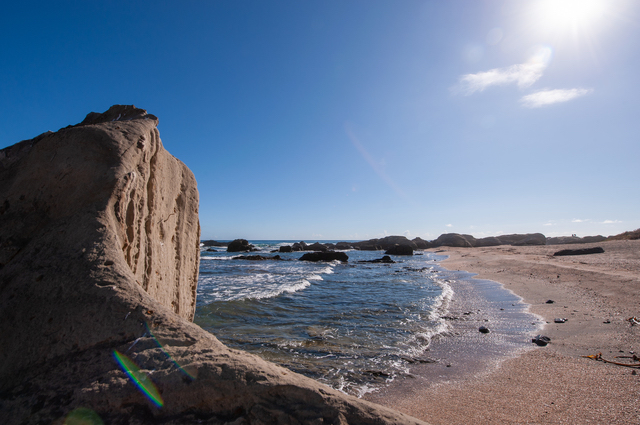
<point x="597" y="293"/>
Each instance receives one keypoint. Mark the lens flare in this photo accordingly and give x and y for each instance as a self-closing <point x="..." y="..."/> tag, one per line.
<point x="141" y="379"/>
<point x="83" y="416"/>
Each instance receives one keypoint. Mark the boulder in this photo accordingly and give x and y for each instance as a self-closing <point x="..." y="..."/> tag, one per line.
<point x="523" y="239"/>
<point x="240" y="245"/>
<point x="285" y="248"/>
<point x="422" y="244"/>
<point x="389" y="242"/>
<point x="455" y="240"/>
<point x="208" y="243"/>
<point x="344" y="246"/>
<point x="400" y="250"/>
<point x="584" y="251"/>
<point x="325" y="256"/>
<point x="316" y="247"/>
<point x="299" y="246"/>
<point x="98" y="283"/>
<point x="489" y="241"/>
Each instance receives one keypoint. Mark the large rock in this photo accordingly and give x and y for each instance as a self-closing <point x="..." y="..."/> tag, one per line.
<point x="422" y="244"/>
<point x="400" y="250"/>
<point x="240" y="245"/>
<point x="455" y="240"/>
<point x="99" y="245"/>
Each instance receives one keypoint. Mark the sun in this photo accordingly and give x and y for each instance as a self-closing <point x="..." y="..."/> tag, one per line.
<point x="558" y="15"/>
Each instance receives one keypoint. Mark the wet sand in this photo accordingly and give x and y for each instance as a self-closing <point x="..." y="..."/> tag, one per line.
<point x="597" y="293"/>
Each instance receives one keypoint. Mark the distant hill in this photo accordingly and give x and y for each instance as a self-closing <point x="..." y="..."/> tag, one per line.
<point x="635" y="234"/>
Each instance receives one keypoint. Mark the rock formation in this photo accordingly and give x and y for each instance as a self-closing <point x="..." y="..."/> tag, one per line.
<point x="400" y="250"/>
<point x="564" y="240"/>
<point x="240" y="245"/>
<point x="99" y="245"/>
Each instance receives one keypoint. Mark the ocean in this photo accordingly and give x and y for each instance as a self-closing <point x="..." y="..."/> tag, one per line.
<point x="354" y="326"/>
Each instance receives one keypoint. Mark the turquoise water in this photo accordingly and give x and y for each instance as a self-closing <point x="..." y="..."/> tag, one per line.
<point x="354" y="326"/>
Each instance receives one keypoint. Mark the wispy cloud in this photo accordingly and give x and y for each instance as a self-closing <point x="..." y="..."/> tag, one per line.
<point x="578" y="220"/>
<point x="611" y="222"/>
<point x="448" y="225"/>
<point x="524" y="75"/>
<point x="549" y="97"/>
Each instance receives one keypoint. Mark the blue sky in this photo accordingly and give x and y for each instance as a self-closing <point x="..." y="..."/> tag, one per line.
<point x="356" y="119"/>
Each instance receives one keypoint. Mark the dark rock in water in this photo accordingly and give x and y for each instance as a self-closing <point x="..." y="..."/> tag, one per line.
<point x="316" y="247"/>
<point x="212" y="250"/>
<point x="299" y="246"/>
<point x="483" y="329"/>
<point x="285" y="248"/>
<point x="240" y="245"/>
<point x="214" y="243"/>
<point x="256" y="257"/>
<point x="325" y="256"/>
<point x="541" y="340"/>
<point x="386" y="259"/>
<point x="343" y="246"/>
<point x="584" y="251"/>
<point x="400" y="250"/>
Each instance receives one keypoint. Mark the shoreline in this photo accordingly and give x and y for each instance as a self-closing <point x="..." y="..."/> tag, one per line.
<point x="551" y="384"/>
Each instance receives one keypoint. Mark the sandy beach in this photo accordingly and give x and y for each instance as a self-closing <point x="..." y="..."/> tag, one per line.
<point x="596" y="293"/>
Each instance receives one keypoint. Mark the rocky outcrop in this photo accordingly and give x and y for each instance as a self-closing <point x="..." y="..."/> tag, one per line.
<point x="317" y="246"/>
<point x="468" y="241"/>
<point x="208" y="243"/>
<point x="422" y="244"/>
<point x="565" y="240"/>
<point x="400" y="250"/>
<point x="455" y="240"/>
<point x="240" y="245"/>
<point x="99" y="245"/>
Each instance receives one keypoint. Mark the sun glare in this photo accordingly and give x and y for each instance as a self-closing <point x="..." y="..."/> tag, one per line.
<point x="568" y="14"/>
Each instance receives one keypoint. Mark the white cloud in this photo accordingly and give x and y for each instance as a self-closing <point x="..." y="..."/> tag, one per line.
<point x="549" y="97"/>
<point x="611" y="222"/>
<point x="449" y="225"/>
<point x="577" y="220"/>
<point x="524" y="75"/>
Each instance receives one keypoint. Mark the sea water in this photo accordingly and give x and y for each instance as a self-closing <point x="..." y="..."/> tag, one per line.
<point x="354" y="326"/>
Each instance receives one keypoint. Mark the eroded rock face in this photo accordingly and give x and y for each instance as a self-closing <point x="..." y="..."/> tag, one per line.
<point x="99" y="240"/>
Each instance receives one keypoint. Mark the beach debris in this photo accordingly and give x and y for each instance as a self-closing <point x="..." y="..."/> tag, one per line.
<point x="633" y="320"/>
<point x="560" y="320"/>
<point x="550" y="301"/>
<point x="598" y="357"/>
<point x="607" y="321"/>
<point x="584" y="251"/>
<point x="541" y="340"/>
<point x="483" y="329"/>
